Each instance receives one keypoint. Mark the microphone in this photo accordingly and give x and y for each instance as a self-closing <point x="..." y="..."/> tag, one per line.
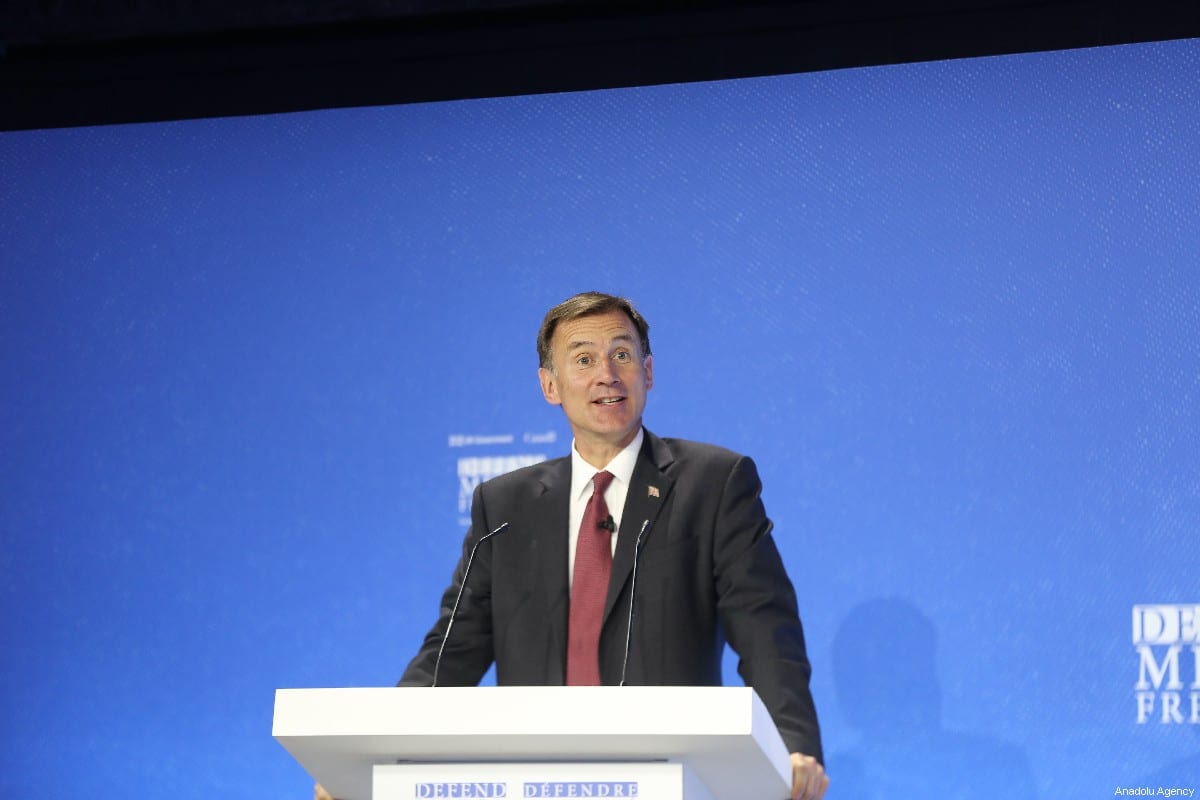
<point x="637" y="552"/>
<point x="609" y="524"/>
<point x="454" y="611"/>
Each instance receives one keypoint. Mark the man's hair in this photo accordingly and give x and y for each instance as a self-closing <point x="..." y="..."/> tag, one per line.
<point x="588" y="304"/>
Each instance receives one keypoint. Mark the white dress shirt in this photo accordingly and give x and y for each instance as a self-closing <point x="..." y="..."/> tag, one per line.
<point x="581" y="491"/>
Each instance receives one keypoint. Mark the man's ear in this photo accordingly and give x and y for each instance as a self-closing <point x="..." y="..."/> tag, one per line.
<point x="549" y="386"/>
<point x="649" y="362"/>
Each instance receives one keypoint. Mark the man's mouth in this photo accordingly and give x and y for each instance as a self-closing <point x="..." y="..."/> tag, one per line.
<point x="609" y="401"/>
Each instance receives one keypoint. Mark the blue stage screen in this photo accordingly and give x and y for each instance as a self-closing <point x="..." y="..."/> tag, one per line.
<point x="252" y="368"/>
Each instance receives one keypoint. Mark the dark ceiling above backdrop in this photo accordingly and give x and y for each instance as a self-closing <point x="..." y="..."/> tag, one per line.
<point x="72" y="63"/>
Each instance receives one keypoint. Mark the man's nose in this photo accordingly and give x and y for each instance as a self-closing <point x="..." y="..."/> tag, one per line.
<point x="607" y="373"/>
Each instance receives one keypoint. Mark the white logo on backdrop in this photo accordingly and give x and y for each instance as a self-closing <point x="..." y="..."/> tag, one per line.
<point x="1167" y="640"/>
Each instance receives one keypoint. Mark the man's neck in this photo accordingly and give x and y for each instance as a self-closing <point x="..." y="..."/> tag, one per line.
<point x="599" y="453"/>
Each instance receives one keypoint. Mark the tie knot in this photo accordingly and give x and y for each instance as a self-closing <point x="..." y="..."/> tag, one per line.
<point x="601" y="481"/>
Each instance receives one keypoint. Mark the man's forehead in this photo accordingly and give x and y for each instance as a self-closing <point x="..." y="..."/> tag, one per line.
<point x="596" y="328"/>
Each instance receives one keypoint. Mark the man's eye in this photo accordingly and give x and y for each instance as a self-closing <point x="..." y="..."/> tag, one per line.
<point x="622" y="355"/>
<point x="583" y="361"/>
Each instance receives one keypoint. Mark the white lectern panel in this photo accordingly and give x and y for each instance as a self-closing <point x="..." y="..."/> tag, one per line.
<point x="723" y="734"/>
<point x="592" y="781"/>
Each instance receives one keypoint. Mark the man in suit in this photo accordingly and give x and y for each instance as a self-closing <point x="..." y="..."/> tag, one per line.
<point x="708" y="569"/>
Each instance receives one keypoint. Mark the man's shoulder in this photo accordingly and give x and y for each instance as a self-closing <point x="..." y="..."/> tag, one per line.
<point x="691" y="450"/>
<point x="543" y="472"/>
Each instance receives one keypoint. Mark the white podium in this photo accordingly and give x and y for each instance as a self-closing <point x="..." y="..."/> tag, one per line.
<point x="532" y="743"/>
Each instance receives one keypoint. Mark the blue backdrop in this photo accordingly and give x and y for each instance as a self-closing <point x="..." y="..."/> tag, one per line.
<point x="250" y="367"/>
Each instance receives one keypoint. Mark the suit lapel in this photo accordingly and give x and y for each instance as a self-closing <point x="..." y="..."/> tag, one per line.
<point x="649" y="488"/>
<point x="548" y="516"/>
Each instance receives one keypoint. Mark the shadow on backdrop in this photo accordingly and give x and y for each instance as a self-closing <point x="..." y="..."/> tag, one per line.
<point x="884" y="658"/>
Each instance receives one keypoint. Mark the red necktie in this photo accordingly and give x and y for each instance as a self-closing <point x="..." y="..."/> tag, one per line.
<point x="589" y="588"/>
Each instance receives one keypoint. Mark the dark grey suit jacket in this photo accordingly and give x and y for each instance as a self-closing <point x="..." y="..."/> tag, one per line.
<point x="708" y="572"/>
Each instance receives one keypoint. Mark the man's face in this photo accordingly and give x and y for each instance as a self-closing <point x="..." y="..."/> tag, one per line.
<point x="600" y="379"/>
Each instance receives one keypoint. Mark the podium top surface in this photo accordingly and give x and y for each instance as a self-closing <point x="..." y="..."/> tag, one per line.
<point x="724" y="734"/>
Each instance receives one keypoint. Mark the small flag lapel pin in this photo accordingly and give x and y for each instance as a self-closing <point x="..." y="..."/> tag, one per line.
<point x="652" y="491"/>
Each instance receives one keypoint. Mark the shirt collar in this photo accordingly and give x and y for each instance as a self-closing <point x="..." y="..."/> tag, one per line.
<point x="621" y="466"/>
